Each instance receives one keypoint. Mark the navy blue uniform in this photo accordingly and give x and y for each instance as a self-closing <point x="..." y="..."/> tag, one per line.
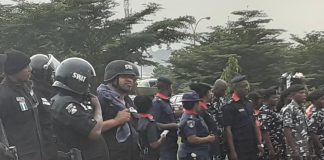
<point x="193" y="125"/>
<point x="239" y="116"/>
<point x="163" y="113"/>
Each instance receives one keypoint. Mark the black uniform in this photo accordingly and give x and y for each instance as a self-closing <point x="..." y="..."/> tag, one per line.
<point x="19" y="114"/>
<point x="148" y="133"/>
<point x="73" y="121"/>
<point x="44" y="95"/>
<point x="239" y="115"/>
<point x="212" y="127"/>
<point x="122" y="141"/>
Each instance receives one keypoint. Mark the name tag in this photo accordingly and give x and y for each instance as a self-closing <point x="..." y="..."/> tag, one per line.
<point x="22" y="103"/>
<point x="241" y="110"/>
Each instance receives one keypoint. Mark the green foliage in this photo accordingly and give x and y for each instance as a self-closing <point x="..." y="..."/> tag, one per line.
<point x="231" y="70"/>
<point x="86" y="29"/>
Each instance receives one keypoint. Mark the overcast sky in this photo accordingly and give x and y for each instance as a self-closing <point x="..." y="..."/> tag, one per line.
<point x="296" y="16"/>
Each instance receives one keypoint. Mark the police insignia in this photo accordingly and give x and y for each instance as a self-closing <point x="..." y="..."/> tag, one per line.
<point x="191" y="123"/>
<point x="71" y="108"/>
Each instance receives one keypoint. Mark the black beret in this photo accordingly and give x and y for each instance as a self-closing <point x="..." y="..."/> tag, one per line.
<point x="164" y="80"/>
<point x="239" y="78"/>
<point x="15" y="61"/>
<point x="295" y="88"/>
<point x="190" y="97"/>
<point x="315" y="95"/>
<point x="269" y="92"/>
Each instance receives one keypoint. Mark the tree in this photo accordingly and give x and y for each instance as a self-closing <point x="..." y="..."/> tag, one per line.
<point x="258" y="49"/>
<point x="231" y="70"/>
<point x="85" y="28"/>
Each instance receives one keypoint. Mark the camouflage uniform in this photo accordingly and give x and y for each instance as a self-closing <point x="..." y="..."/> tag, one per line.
<point x="294" y="119"/>
<point x="272" y="123"/>
<point x="216" y="111"/>
<point x="316" y="125"/>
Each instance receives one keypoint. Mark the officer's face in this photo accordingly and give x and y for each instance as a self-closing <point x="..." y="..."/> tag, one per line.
<point x="126" y="82"/>
<point x="300" y="96"/>
<point x="273" y="100"/>
<point x="24" y="74"/>
<point x="242" y="88"/>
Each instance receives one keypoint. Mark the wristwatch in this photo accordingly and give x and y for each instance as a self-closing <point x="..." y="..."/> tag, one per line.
<point x="261" y="145"/>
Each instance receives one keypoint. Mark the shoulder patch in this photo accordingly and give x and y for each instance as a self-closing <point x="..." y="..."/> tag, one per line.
<point x="191" y="123"/>
<point x="71" y="108"/>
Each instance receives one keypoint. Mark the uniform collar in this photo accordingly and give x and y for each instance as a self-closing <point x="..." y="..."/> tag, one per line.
<point x="146" y="115"/>
<point x="236" y="97"/>
<point x="162" y="96"/>
<point x="203" y="105"/>
<point x="190" y="112"/>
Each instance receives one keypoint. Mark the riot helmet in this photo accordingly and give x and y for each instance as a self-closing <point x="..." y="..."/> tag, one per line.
<point x="75" y="75"/>
<point x="119" y="67"/>
<point x="43" y="67"/>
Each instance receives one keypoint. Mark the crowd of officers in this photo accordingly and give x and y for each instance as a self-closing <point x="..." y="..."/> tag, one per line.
<point x="47" y="112"/>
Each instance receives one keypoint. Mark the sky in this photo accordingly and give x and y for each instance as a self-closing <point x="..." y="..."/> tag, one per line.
<point x="295" y="16"/>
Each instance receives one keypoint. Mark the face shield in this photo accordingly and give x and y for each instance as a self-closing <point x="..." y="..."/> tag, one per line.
<point x="52" y="63"/>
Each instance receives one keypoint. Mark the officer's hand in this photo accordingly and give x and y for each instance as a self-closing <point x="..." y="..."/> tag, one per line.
<point x="123" y="116"/>
<point x="261" y="151"/>
<point x="211" y="138"/>
<point x="233" y="156"/>
<point x="94" y="100"/>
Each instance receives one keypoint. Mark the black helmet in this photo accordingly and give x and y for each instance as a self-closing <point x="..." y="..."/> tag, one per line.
<point x="120" y="67"/>
<point x="75" y="74"/>
<point x="43" y="67"/>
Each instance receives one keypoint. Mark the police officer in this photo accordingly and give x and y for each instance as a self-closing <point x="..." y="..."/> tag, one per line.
<point x="77" y="117"/>
<point x="216" y="110"/>
<point x="316" y="122"/>
<point x="164" y="115"/>
<point x="239" y="123"/>
<point x="193" y="130"/>
<point x="119" y="113"/>
<point x="43" y="67"/>
<point x="271" y="127"/>
<point x="203" y="90"/>
<point x="150" y="138"/>
<point x="18" y="107"/>
<point x="294" y="124"/>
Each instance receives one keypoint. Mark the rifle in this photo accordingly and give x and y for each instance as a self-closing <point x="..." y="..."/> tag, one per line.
<point x="9" y="152"/>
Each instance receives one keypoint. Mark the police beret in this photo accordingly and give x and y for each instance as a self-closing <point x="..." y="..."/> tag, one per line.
<point x="269" y="92"/>
<point x="199" y="86"/>
<point x="164" y="80"/>
<point x="315" y="95"/>
<point x="239" y="78"/>
<point x="295" y="88"/>
<point x="15" y="61"/>
<point x="190" y="97"/>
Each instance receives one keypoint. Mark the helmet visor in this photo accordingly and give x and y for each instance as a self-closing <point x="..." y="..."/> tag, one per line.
<point x="52" y="63"/>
